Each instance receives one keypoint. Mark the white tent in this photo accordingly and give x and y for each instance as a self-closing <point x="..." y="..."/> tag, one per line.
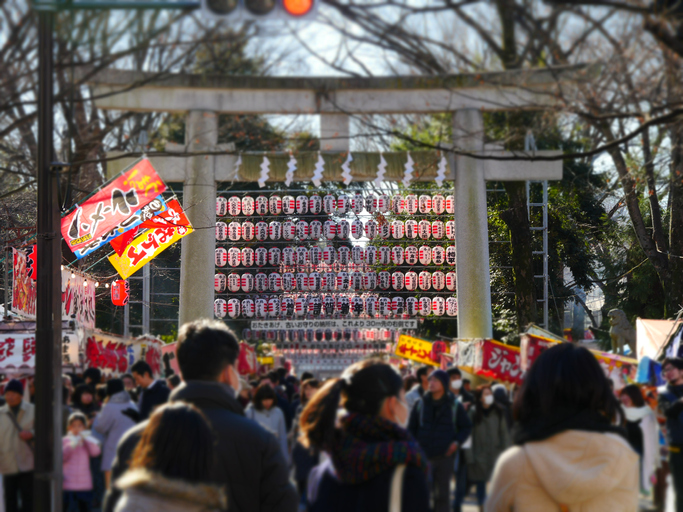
<point x="652" y="335"/>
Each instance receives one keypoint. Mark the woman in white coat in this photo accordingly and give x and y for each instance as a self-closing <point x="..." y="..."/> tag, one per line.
<point x="264" y="412"/>
<point x="643" y="433"/>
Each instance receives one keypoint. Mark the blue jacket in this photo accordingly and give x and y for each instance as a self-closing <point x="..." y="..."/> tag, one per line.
<point x="327" y="494"/>
<point x="153" y="397"/>
<point x="672" y="409"/>
<point x="436" y="425"/>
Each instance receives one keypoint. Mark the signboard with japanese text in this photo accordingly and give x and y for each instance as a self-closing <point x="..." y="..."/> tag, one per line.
<point x="112" y="206"/>
<point x="339" y="323"/>
<point x="247" y="362"/>
<point x="154" y="207"/>
<point x="498" y="361"/>
<point x="18" y="351"/>
<point x="414" y="349"/>
<point x="169" y="358"/>
<point x="114" y="355"/>
<point x="153" y="242"/>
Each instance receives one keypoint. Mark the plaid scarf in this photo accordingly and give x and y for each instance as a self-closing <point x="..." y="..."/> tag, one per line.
<point x="370" y="445"/>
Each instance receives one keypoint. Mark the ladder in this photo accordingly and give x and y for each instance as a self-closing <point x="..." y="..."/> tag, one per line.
<point x="536" y="190"/>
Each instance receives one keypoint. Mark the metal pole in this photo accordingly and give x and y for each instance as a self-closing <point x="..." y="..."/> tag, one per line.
<point x="48" y="398"/>
<point x="6" y="251"/>
<point x="146" y="297"/>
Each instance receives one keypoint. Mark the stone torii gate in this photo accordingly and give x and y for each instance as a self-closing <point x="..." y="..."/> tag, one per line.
<point x="202" y="98"/>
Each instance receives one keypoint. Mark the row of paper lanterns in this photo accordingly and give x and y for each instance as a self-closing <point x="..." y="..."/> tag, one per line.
<point x="370" y="255"/>
<point x="330" y="229"/>
<point x="328" y="305"/>
<point x="329" y="204"/>
<point x="330" y="281"/>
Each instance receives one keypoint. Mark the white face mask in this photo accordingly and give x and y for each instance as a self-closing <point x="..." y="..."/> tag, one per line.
<point x="456" y="384"/>
<point x="488" y="399"/>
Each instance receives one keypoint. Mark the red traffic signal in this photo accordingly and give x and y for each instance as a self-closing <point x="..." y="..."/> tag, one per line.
<point x="260" y="9"/>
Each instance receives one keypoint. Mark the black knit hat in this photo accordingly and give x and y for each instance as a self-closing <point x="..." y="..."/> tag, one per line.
<point x="15" y="385"/>
<point x="114" y="386"/>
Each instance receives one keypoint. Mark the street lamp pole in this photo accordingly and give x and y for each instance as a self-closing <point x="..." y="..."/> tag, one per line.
<point x="48" y="387"/>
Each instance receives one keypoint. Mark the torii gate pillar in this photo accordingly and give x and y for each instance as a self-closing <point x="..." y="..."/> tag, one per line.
<point x="471" y="233"/>
<point x="199" y="202"/>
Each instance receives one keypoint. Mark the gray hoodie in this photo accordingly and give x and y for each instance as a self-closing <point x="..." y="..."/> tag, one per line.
<point x="111" y="423"/>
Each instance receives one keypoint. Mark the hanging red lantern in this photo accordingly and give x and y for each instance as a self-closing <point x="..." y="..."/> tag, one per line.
<point x="120" y="292"/>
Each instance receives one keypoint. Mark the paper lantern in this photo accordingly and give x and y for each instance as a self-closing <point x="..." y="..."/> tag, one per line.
<point x="302" y="230"/>
<point x="383" y="203"/>
<point x="221" y="257"/>
<point x="343" y="255"/>
<point x="274" y="256"/>
<point x="424" y="229"/>
<point x="371" y="203"/>
<point x="411" y="229"/>
<point x="262" y="205"/>
<point x="234" y="231"/>
<point x="288" y="282"/>
<point x="425" y="255"/>
<point x="438" y="204"/>
<point x="288" y="205"/>
<point x="425" y="204"/>
<point x="247" y="283"/>
<point x="233" y="308"/>
<point x="234" y="282"/>
<point x="357" y="254"/>
<point x="343" y="229"/>
<point x="437" y="229"/>
<point x="288" y="230"/>
<point x="411" y="204"/>
<point x="315" y="230"/>
<point x="397" y="281"/>
<point x="356" y="280"/>
<point x="234" y="256"/>
<point x="451" y="255"/>
<point x="356" y="204"/>
<point x="120" y="292"/>
<point x="371" y="306"/>
<point x="220" y="282"/>
<point x="425" y="306"/>
<point x="315" y="203"/>
<point x="248" y="205"/>
<point x="247" y="257"/>
<point x="438" y="306"/>
<point x="234" y="206"/>
<point x="371" y="229"/>
<point x="261" y="282"/>
<point x="438" y="255"/>
<point x="438" y="281"/>
<point x="384" y="230"/>
<point x="220" y="308"/>
<point x="425" y="280"/>
<point x="384" y="280"/>
<point x="450" y="230"/>
<point x="221" y="231"/>
<point x="342" y="204"/>
<point x="451" y="282"/>
<point x="384" y="255"/>
<point x="397" y="255"/>
<point x="329" y="255"/>
<point x="451" y="306"/>
<point x="410" y="280"/>
<point x="384" y="306"/>
<point x="248" y="309"/>
<point x="397" y="306"/>
<point x="261" y="256"/>
<point x="411" y="306"/>
<point x="315" y="255"/>
<point x="221" y="206"/>
<point x="450" y="204"/>
<point x="301" y="255"/>
<point x="398" y="204"/>
<point x="275" y="205"/>
<point x="248" y="231"/>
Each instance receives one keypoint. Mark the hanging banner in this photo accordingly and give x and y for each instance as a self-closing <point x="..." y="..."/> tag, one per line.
<point x="18" y="351"/>
<point x="498" y="361"/>
<point x="247" y="362"/>
<point x="153" y="242"/>
<point x="414" y="349"/>
<point x="169" y="358"/>
<point x="111" y="206"/>
<point x="340" y="323"/>
<point x="78" y="299"/>
<point x="140" y="217"/>
<point x="23" y="287"/>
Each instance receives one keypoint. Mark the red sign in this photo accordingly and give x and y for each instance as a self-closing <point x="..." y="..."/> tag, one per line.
<point x="113" y="204"/>
<point x="247" y="362"/>
<point x="498" y="362"/>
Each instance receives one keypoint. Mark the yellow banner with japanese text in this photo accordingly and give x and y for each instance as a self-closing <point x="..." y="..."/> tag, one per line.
<point x="415" y="349"/>
<point x="173" y="225"/>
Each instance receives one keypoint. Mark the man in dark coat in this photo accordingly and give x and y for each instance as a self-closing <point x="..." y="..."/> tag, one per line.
<point x="248" y="458"/>
<point x="440" y="424"/>
<point x="154" y="393"/>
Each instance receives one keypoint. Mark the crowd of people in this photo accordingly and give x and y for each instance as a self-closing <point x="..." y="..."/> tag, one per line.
<point x="373" y="439"/>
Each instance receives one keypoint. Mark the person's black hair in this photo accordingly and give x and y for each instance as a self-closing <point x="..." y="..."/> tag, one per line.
<point x="466" y="381"/>
<point x="129" y="376"/>
<point x="454" y="371"/>
<point x="141" y="367"/>
<point x="422" y="372"/>
<point x="178" y="443"/>
<point x="101" y="392"/>
<point x="205" y="348"/>
<point x="77" y="416"/>
<point x="80" y="390"/>
<point x="273" y="377"/>
<point x="174" y="380"/>
<point x="264" y="392"/>
<point x="114" y="386"/>
<point x="569" y="377"/>
<point x="282" y="372"/>
<point x="306" y="376"/>
<point x="409" y="381"/>
<point x="362" y="389"/>
<point x="479" y="404"/>
<point x="94" y="374"/>
<point x="633" y="392"/>
<point x="676" y="362"/>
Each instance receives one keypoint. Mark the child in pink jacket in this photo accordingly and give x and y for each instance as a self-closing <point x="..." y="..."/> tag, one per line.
<point x="77" y="448"/>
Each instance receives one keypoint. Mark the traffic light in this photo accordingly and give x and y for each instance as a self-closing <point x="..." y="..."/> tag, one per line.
<point x="260" y="9"/>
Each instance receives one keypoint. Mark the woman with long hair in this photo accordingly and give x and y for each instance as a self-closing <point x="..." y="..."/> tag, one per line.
<point x="490" y="438"/>
<point x="171" y="466"/>
<point x="371" y="453"/>
<point x="642" y="431"/>
<point x="569" y="454"/>
<point x="264" y="411"/>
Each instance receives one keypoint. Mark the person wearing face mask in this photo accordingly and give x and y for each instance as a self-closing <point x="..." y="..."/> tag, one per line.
<point x="249" y="461"/>
<point x="458" y="388"/>
<point x="440" y="424"/>
<point x="490" y="438"/>
<point x="374" y="462"/>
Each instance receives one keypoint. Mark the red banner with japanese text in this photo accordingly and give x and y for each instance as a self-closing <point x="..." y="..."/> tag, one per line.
<point x="23" y="286"/>
<point x="112" y="205"/>
<point x="151" y="243"/>
<point x="18" y="351"/>
<point x="497" y="361"/>
<point x="114" y="355"/>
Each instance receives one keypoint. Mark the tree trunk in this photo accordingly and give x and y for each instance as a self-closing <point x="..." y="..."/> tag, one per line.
<point x="517" y="220"/>
<point x="673" y="287"/>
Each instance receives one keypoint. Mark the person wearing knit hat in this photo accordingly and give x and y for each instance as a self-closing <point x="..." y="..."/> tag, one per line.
<point x="16" y="437"/>
<point x="441" y="426"/>
<point x="117" y="417"/>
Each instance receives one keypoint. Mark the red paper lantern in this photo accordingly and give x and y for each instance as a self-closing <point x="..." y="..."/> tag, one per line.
<point x="120" y="292"/>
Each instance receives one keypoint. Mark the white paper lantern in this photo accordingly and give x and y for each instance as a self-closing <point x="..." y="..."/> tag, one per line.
<point x="248" y="205"/>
